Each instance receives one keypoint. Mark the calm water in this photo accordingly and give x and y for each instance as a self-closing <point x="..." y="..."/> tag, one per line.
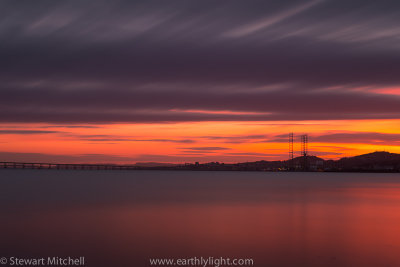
<point x="123" y="218"/>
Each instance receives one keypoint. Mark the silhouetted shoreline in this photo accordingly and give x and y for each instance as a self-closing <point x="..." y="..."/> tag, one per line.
<point x="372" y="162"/>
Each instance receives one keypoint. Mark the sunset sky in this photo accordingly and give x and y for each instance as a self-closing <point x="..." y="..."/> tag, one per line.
<point x="185" y="81"/>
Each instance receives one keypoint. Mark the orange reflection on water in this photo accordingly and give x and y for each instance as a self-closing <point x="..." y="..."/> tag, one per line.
<point x="324" y="220"/>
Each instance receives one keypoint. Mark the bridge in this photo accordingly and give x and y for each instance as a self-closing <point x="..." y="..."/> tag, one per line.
<point x="64" y="166"/>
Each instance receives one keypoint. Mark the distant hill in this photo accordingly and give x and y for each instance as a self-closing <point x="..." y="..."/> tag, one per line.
<point x="371" y="162"/>
<point x="378" y="156"/>
<point x="379" y="160"/>
<point x="310" y="159"/>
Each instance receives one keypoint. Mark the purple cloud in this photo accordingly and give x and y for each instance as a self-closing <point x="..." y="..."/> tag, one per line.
<point x="151" y="62"/>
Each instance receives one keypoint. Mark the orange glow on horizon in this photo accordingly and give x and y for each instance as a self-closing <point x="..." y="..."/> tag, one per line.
<point x="188" y="142"/>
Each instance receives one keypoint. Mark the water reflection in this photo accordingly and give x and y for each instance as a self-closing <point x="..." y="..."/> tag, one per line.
<point x="123" y="219"/>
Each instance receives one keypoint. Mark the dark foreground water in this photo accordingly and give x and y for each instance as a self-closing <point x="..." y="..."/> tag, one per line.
<point x="124" y="218"/>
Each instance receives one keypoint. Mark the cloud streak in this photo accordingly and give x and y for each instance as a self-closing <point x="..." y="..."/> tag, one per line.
<point x="270" y="21"/>
<point x="153" y="62"/>
<point x="375" y="138"/>
<point x="206" y="149"/>
<point x="29" y="132"/>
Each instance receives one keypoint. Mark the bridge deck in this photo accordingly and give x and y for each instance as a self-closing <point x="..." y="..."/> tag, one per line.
<point x="63" y="166"/>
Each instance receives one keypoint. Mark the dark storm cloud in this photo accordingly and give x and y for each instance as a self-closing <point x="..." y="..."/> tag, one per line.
<point x="155" y="61"/>
<point x="142" y="106"/>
